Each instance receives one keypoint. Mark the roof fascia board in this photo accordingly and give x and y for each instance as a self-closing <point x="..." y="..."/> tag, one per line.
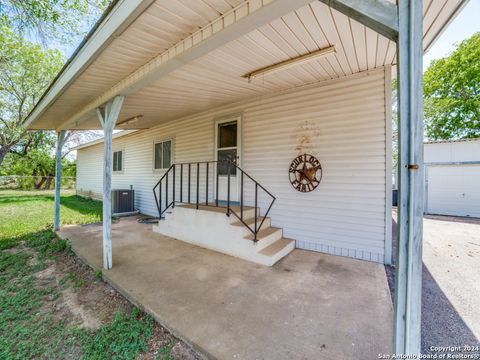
<point x="114" y="23"/>
<point x="241" y="20"/>
<point x="100" y="141"/>
<point x="379" y="15"/>
<point x="457" y="11"/>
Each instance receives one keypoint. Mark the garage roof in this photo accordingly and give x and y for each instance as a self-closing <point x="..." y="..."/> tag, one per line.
<point x="451" y="141"/>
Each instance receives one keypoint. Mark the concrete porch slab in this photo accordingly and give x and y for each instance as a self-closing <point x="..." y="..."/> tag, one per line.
<point x="308" y="306"/>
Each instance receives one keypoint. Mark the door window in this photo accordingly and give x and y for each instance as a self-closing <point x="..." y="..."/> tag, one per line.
<point x="227" y="135"/>
<point x="227" y="147"/>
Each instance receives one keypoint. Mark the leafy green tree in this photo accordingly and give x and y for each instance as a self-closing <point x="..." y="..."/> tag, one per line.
<point x="35" y="167"/>
<point x="60" y="21"/>
<point x="452" y="93"/>
<point x="26" y="70"/>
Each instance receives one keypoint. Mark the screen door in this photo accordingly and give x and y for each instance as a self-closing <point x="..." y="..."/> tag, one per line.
<point x="227" y="148"/>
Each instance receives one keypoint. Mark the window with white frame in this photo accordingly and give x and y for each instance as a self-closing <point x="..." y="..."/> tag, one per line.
<point x="118" y="161"/>
<point x="162" y="155"/>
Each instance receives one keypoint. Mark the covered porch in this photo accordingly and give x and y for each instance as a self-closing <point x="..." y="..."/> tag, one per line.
<point x="308" y="306"/>
<point x="154" y="63"/>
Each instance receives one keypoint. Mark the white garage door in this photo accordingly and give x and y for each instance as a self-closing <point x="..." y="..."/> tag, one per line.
<point x="453" y="190"/>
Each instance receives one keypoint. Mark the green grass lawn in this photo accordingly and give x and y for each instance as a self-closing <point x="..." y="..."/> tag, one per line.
<point x="23" y="213"/>
<point x="30" y="326"/>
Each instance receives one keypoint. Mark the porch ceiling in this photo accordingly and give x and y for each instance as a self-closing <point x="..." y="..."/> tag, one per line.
<point x="216" y="78"/>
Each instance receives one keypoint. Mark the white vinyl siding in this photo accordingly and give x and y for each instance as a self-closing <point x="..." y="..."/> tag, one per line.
<point x="453" y="190"/>
<point x="464" y="151"/>
<point x="345" y="215"/>
<point x="90" y="171"/>
<point x="452" y="174"/>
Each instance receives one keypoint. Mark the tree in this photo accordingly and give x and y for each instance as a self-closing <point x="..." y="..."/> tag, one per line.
<point x="26" y="70"/>
<point x="76" y="137"/>
<point x="60" y="21"/>
<point x="34" y="163"/>
<point x="36" y="169"/>
<point x="452" y="93"/>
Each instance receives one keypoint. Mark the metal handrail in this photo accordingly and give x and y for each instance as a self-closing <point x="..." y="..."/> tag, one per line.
<point x="158" y="200"/>
<point x="229" y="209"/>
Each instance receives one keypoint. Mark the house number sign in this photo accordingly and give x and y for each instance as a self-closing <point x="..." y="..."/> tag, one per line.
<point x="305" y="173"/>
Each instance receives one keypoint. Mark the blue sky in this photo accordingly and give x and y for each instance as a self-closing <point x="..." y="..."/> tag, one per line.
<point x="462" y="27"/>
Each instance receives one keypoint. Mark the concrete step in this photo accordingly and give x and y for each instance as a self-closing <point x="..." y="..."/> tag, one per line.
<point x="266" y="237"/>
<point x="248" y="211"/>
<point x="251" y="222"/>
<point x="278" y="250"/>
<point x="213" y="230"/>
<point x="167" y="214"/>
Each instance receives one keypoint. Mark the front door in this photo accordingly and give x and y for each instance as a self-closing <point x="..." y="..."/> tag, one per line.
<point x="227" y="147"/>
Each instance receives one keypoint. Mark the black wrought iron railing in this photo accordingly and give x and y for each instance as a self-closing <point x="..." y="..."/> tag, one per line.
<point x="209" y="183"/>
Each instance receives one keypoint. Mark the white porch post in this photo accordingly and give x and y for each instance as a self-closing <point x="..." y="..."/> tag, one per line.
<point x="58" y="178"/>
<point x="408" y="278"/>
<point x="403" y="23"/>
<point x="108" y="120"/>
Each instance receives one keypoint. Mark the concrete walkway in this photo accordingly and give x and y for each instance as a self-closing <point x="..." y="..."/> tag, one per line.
<point x="307" y="306"/>
<point x="451" y="289"/>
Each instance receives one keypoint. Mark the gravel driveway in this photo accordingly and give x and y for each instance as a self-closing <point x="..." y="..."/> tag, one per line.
<point x="451" y="281"/>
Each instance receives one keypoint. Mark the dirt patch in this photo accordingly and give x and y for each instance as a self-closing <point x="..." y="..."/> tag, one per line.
<point x="14" y="250"/>
<point x="21" y="248"/>
<point x="88" y="302"/>
<point x="162" y="339"/>
<point x="67" y="305"/>
<point x="46" y="274"/>
<point x="88" y="318"/>
<point x="181" y="351"/>
<point x="92" y="299"/>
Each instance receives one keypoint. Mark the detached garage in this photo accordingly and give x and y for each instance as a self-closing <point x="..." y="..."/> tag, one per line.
<point x="452" y="177"/>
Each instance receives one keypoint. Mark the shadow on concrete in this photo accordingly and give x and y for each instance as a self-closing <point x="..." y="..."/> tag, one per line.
<point x="442" y="325"/>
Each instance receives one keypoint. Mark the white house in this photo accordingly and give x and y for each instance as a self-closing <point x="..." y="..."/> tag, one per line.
<point x="238" y="103"/>
<point x="452" y="177"/>
<point x="340" y="122"/>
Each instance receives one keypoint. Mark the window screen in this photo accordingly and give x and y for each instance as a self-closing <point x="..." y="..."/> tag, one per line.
<point x="163" y="155"/>
<point x="224" y="157"/>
